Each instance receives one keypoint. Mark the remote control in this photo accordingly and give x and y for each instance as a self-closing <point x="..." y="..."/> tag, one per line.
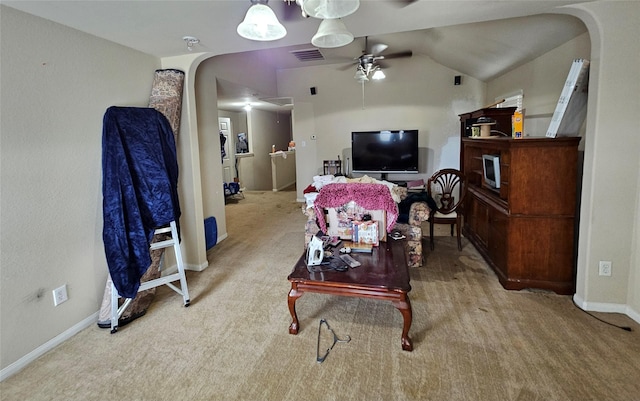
<point x="350" y="261"/>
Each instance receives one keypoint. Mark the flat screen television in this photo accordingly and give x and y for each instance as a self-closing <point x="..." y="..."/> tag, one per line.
<point x="383" y="152"/>
<point x="491" y="169"/>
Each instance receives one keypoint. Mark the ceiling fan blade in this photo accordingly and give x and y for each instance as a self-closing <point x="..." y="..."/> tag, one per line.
<point x="382" y="65"/>
<point x="407" y="53"/>
<point x="347" y="66"/>
<point x="377" y="48"/>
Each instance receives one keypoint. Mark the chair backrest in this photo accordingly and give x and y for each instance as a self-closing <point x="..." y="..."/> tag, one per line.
<point x="451" y="187"/>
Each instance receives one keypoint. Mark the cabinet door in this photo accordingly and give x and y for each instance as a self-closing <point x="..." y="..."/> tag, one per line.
<point x="478" y="219"/>
<point x="498" y="240"/>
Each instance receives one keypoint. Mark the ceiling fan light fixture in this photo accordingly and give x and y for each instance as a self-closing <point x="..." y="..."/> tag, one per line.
<point x="261" y="24"/>
<point x="332" y="33"/>
<point x="361" y="76"/>
<point x="329" y="9"/>
<point x="378" y="74"/>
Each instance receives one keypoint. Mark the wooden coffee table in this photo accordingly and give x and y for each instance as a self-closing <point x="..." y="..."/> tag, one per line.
<point x="383" y="275"/>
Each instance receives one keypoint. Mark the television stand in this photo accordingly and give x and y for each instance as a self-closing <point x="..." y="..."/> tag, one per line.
<point x="385" y="177"/>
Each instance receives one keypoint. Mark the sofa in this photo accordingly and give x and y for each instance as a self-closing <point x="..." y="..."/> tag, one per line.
<point x="411" y="212"/>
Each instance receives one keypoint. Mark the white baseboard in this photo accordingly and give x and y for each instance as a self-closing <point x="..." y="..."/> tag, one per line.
<point x="46" y="347"/>
<point x="191" y="266"/>
<point x="283" y="186"/>
<point x="187" y="266"/>
<point x="201" y="267"/>
<point x="75" y="329"/>
<point x="607" y="307"/>
<point x="195" y="268"/>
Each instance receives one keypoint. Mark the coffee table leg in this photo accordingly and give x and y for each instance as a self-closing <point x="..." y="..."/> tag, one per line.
<point x="404" y="306"/>
<point x="294" y="294"/>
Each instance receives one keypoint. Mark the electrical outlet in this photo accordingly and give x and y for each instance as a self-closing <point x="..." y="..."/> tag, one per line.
<point x="60" y="295"/>
<point x="605" y="268"/>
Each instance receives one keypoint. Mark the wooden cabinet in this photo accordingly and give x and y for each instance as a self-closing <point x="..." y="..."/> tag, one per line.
<point x="502" y="116"/>
<point x="526" y="229"/>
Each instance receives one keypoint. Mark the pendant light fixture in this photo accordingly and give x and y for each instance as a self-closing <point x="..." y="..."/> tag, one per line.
<point x="378" y="74"/>
<point x="329" y="9"/>
<point x="361" y="76"/>
<point x="261" y="23"/>
<point x="332" y="33"/>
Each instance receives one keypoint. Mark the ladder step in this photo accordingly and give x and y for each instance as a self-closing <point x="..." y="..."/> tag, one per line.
<point x="162" y="244"/>
<point x="159" y="281"/>
<point x="163" y="230"/>
<point x="116" y="311"/>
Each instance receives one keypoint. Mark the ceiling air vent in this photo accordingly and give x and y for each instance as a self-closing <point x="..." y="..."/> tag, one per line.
<point x="279" y="101"/>
<point x="308" y="55"/>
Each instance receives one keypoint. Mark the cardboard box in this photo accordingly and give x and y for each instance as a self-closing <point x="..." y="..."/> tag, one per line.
<point x="517" y="125"/>
<point x="340" y="220"/>
<point x="365" y="232"/>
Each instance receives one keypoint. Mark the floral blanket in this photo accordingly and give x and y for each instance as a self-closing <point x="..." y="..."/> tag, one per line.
<point x="368" y="196"/>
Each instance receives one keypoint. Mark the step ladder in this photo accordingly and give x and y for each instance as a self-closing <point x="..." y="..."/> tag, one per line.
<point x="167" y="280"/>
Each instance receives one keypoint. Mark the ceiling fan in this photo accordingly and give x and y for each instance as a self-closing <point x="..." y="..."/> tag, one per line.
<point x="370" y="62"/>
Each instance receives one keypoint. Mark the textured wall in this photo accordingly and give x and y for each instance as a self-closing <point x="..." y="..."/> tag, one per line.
<point x="56" y="85"/>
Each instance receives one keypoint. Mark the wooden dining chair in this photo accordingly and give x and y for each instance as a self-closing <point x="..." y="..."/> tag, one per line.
<point x="448" y="188"/>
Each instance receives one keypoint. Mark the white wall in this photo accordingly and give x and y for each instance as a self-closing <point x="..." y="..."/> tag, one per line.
<point x="235" y="69"/>
<point x="211" y="179"/>
<point x="56" y="85"/>
<point x="266" y="128"/>
<point x="542" y="81"/>
<point x="609" y="211"/>
<point x="189" y="182"/>
<point x="634" y="275"/>
<point x="417" y="94"/>
<point x="303" y="125"/>
<point x="283" y="170"/>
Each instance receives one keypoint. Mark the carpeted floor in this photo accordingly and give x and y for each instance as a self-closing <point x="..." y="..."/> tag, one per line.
<point x="473" y="340"/>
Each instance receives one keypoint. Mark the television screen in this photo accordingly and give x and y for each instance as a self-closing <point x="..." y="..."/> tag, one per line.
<point x="385" y="151"/>
<point x="491" y="169"/>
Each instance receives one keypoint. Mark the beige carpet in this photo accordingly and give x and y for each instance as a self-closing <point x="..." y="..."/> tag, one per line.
<point x="472" y="339"/>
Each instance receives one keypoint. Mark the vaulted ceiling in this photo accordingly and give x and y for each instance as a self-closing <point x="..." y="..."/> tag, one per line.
<point x="482" y="39"/>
